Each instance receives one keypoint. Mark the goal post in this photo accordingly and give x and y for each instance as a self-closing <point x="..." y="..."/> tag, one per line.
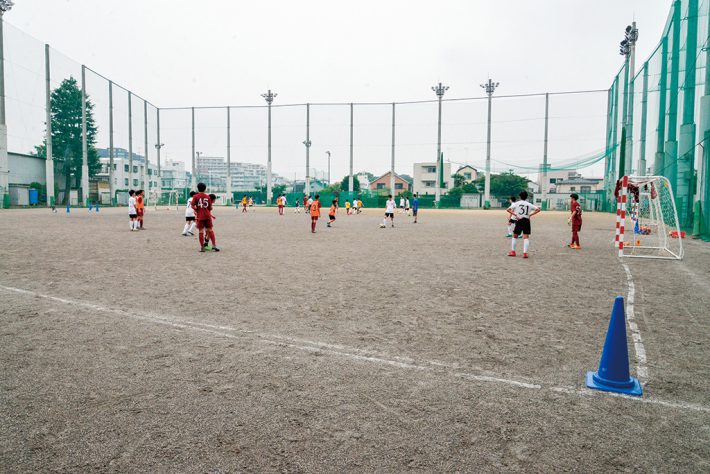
<point x="647" y="219"/>
<point x="167" y="198"/>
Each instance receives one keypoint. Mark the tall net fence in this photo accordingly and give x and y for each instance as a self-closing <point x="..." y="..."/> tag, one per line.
<point x="663" y="112"/>
<point x="652" y="120"/>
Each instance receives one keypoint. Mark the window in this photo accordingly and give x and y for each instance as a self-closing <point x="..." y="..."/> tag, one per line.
<point x="135" y="182"/>
<point x="126" y="181"/>
<point x="125" y="168"/>
<point x="585" y="189"/>
<point x="553" y="180"/>
<point x="428" y="184"/>
<point x="572" y="188"/>
<point x="150" y="172"/>
<point x="135" y="169"/>
<point x="467" y="175"/>
<point x="114" y="166"/>
<point x="430" y="169"/>
<point x="397" y="185"/>
<point x="380" y="185"/>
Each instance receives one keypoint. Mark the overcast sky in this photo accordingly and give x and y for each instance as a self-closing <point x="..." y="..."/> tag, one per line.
<point x="219" y="52"/>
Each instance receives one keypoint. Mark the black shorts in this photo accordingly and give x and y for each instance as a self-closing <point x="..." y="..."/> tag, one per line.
<point x="389" y="214"/>
<point x="332" y="218"/>
<point x="132" y="216"/>
<point x="414" y="212"/>
<point x="190" y="219"/>
<point x="522" y="226"/>
<point x="511" y="221"/>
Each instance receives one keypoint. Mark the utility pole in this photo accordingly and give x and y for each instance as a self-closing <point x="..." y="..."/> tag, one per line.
<point x="392" y="184"/>
<point x="193" y="181"/>
<point x="439" y="90"/>
<point x="229" y="159"/>
<point x="5" y="6"/>
<point x="158" y="146"/>
<point x="130" y="141"/>
<point x="490" y="88"/>
<point x="307" y="142"/>
<point x="351" y="181"/>
<point x="269" y="97"/>
<point x="49" y="165"/>
<point x="111" y="187"/>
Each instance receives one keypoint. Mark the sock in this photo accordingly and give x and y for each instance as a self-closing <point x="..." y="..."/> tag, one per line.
<point x="202" y="240"/>
<point x="313" y="225"/>
<point x="513" y="241"/>
<point x="192" y="227"/>
<point x="384" y="222"/>
<point x="187" y="226"/>
<point x="135" y="225"/>
<point x="213" y="239"/>
<point x="131" y="225"/>
<point x="526" y="245"/>
<point x="510" y="228"/>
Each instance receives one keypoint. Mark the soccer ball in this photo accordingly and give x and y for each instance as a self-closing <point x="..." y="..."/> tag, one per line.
<point x="382" y="226"/>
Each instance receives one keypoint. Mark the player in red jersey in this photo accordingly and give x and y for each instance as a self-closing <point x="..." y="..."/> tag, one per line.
<point x="575" y="219"/>
<point x="202" y="204"/>
<point x="140" y="207"/>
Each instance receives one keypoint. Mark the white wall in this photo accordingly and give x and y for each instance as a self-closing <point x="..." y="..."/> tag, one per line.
<point x="25" y="169"/>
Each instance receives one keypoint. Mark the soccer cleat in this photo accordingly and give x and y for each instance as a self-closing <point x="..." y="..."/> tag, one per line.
<point x="328" y="224"/>
<point x="184" y="234"/>
<point x="511" y="253"/>
<point x="215" y="249"/>
<point x="202" y="249"/>
<point x="525" y="255"/>
<point x="508" y="235"/>
<point x="190" y="233"/>
<point x="577" y="247"/>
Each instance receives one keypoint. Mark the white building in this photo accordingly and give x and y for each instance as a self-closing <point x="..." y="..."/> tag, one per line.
<point x="425" y="178"/>
<point x="245" y="176"/>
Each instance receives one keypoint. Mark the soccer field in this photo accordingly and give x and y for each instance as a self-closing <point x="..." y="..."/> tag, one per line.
<point x="422" y="347"/>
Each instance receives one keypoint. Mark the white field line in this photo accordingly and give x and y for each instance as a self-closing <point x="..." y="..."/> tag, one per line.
<point x="356" y="354"/>
<point x="641" y="369"/>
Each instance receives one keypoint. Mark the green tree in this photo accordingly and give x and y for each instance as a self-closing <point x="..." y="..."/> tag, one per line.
<point x="345" y="184"/>
<point x="67" y="138"/>
<point x="504" y="184"/>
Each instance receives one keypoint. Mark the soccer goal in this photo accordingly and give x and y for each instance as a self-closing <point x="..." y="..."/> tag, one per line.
<point x="647" y="219"/>
<point x="167" y="198"/>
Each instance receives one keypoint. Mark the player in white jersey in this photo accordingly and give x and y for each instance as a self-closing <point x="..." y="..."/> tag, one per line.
<point x="390" y="206"/>
<point x="511" y="219"/>
<point x="523" y="211"/>
<point x="189" y="217"/>
<point x="132" y="212"/>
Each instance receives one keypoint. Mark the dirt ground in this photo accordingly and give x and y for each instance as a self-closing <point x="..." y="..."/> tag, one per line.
<point x="422" y="347"/>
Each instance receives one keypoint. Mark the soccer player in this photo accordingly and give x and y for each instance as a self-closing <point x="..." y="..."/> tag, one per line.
<point x="309" y="203"/>
<point x="347" y="207"/>
<point x="332" y="211"/>
<point x="314" y="207"/>
<point x="297" y="209"/>
<point x="415" y="207"/>
<point x="140" y="208"/>
<point x="132" y="213"/>
<point x="406" y="205"/>
<point x="251" y="203"/>
<point x="523" y="211"/>
<point x="359" y="205"/>
<point x="511" y="219"/>
<point x="202" y="206"/>
<point x="401" y="203"/>
<point x="390" y="206"/>
<point x="189" y="217"/>
<point x="280" y="202"/>
<point x="575" y="219"/>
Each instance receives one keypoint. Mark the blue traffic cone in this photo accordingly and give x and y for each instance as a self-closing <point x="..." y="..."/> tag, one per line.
<point x="97" y="206"/>
<point x="68" y="208"/>
<point x="613" y="374"/>
<point x="637" y="229"/>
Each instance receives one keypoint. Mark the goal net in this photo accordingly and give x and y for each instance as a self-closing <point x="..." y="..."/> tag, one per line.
<point x="163" y="198"/>
<point x="647" y="219"/>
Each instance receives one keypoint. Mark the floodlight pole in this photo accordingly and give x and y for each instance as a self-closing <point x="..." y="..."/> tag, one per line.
<point x="351" y="180"/>
<point x="229" y="158"/>
<point x="130" y="141"/>
<point x="628" y="50"/>
<point x="111" y="188"/>
<point x="308" y="144"/>
<point x="544" y="181"/>
<point x="193" y="180"/>
<point x="328" y="153"/>
<point x="439" y="90"/>
<point x="84" y="142"/>
<point x="490" y="88"/>
<point x="392" y="187"/>
<point x="4" y="160"/>
<point x="269" y="97"/>
<point x="49" y="165"/>
<point x="146" y="181"/>
<point x="158" y="146"/>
